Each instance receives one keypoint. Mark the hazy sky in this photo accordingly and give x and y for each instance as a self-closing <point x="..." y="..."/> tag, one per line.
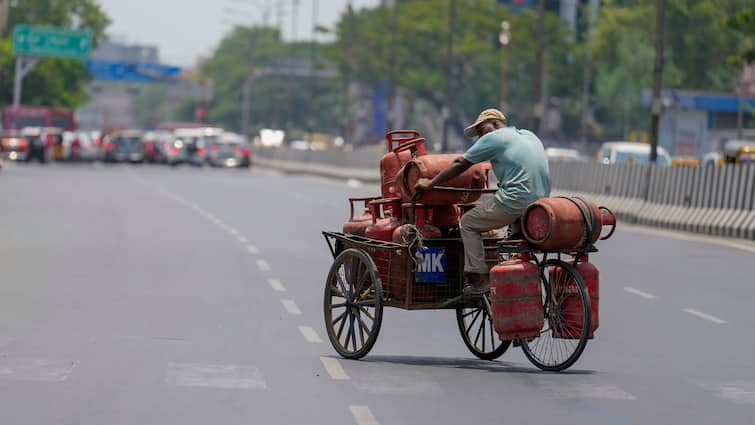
<point x="185" y="29"/>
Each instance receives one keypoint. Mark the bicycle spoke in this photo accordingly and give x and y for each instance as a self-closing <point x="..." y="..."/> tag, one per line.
<point x="343" y="323"/>
<point x="339" y="318"/>
<point x="365" y="311"/>
<point x="474" y="320"/>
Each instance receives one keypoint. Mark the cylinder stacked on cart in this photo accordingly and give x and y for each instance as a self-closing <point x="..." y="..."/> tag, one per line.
<point x="388" y="217"/>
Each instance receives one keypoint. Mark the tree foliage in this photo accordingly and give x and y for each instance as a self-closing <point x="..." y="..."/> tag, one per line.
<point x="744" y="22"/>
<point x="281" y="102"/>
<point x="54" y="81"/>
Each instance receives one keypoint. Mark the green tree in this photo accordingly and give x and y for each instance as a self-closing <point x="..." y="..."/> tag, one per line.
<point x="282" y="102"/>
<point x="364" y="48"/>
<point x="54" y="81"/>
<point x="697" y="44"/>
<point x="744" y="22"/>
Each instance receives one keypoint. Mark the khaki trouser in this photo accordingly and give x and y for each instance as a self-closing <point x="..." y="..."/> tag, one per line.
<point x="482" y="218"/>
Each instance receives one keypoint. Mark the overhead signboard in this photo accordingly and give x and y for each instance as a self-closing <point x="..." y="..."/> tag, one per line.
<point x="132" y="72"/>
<point x="29" y="40"/>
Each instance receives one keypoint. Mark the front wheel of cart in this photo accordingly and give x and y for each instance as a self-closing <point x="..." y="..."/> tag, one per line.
<point x="566" y="308"/>
<point x="476" y="328"/>
<point x="353" y="304"/>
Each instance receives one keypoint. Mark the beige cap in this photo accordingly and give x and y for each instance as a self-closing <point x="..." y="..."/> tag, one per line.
<point x="488" y="114"/>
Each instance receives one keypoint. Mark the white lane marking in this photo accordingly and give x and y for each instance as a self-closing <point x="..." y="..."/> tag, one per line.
<point x="291" y="307"/>
<point x="333" y="366"/>
<point x="705" y="316"/>
<point x="243" y="239"/>
<point x="394" y="381"/>
<point x="35" y="369"/>
<point x="276" y="285"/>
<point x="639" y="293"/>
<point x="215" y="376"/>
<point x="232" y="231"/>
<point x="353" y="183"/>
<point x="363" y="415"/>
<point x="263" y="265"/>
<point x="563" y="389"/>
<point x="737" y="391"/>
<point x="252" y="249"/>
<point x="310" y="334"/>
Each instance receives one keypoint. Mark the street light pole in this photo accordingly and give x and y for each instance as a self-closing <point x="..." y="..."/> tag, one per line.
<point x="657" y="80"/>
<point x="537" y="108"/>
<point x="504" y="38"/>
<point x="446" y="112"/>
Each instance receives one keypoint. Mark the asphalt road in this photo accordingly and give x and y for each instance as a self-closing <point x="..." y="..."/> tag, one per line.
<point x="151" y="295"/>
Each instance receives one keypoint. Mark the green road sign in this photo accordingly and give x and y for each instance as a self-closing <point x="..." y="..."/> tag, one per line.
<point x="51" y="41"/>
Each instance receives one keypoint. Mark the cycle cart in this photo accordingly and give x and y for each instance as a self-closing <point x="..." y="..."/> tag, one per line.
<point x="368" y="275"/>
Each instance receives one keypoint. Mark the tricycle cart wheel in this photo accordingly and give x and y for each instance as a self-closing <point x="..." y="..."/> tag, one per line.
<point x="353" y="303"/>
<point x="566" y="307"/>
<point x="476" y="328"/>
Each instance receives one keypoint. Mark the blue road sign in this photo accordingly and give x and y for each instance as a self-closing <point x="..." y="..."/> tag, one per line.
<point x="132" y="72"/>
<point x="518" y="3"/>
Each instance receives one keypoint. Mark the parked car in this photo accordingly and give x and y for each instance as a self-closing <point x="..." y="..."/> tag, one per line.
<point x="630" y="152"/>
<point x="231" y="150"/>
<point x="563" y="154"/>
<point x="156" y="144"/>
<point x="739" y="152"/>
<point x="685" y="161"/>
<point x="14" y="147"/>
<point x="123" y="146"/>
<point x="192" y="145"/>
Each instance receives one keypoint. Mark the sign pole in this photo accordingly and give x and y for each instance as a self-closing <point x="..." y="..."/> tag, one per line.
<point x="24" y="65"/>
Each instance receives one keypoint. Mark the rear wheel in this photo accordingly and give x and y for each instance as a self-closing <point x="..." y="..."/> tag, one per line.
<point x="476" y="328"/>
<point x="566" y="308"/>
<point x="353" y="304"/>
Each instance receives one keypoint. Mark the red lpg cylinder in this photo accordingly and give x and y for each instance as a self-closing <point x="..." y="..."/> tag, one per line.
<point x="403" y="145"/>
<point x="429" y="166"/>
<point x="357" y="224"/>
<point x="382" y="228"/>
<point x="516" y="297"/>
<point x="446" y="216"/>
<point x="423" y="219"/>
<point x="565" y="223"/>
<point x="572" y="310"/>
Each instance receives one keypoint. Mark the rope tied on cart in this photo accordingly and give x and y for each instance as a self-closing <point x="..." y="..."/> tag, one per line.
<point x="412" y="237"/>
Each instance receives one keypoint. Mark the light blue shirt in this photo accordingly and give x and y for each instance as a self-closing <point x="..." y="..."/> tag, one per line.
<point x="520" y="164"/>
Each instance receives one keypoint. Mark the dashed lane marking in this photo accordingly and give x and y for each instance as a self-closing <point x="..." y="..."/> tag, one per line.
<point x="276" y="285"/>
<point x="705" y="316"/>
<point x="263" y="265"/>
<point x="215" y="376"/>
<point x="291" y="307"/>
<point x="243" y="239"/>
<point x="35" y="369"/>
<point x="363" y="415"/>
<point x="310" y="334"/>
<point x="742" y="392"/>
<point x="333" y="366"/>
<point x="639" y="293"/>
<point x="252" y="249"/>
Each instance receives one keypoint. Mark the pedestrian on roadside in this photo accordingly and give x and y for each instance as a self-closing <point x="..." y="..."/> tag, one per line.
<point x="519" y="162"/>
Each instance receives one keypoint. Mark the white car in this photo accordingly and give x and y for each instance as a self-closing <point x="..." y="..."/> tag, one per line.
<point x="630" y="152"/>
<point x="562" y="154"/>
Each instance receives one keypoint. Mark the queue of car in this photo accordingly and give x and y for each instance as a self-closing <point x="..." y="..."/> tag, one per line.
<point x="193" y="146"/>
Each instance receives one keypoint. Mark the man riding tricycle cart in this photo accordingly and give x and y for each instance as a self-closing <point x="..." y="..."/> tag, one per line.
<point x="421" y="245"/>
